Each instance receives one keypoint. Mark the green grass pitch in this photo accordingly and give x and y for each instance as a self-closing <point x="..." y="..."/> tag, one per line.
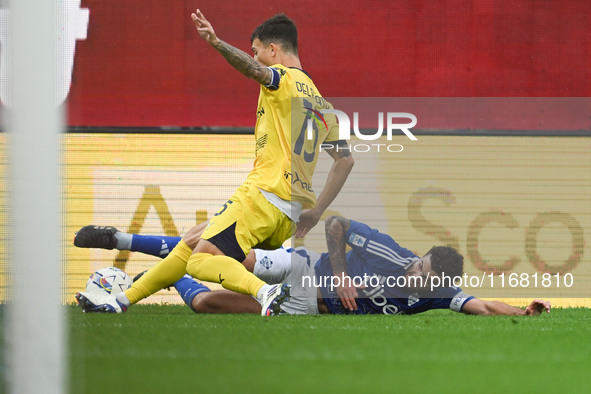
<point x="169" y="349"/>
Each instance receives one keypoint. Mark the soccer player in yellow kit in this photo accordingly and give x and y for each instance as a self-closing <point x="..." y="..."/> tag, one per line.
<point x="276" y="194"/>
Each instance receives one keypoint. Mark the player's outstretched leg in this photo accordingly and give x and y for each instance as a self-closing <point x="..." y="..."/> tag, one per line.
<point x="162" y="275"/>
<point x="271" y="301"/>
<point x="108" y="237"/>
<point x="234" y="276"/>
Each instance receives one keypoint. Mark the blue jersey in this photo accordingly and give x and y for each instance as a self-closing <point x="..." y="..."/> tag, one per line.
<point x="377" y="261"/>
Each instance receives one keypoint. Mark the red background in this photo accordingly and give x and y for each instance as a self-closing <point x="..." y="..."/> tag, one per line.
<point x="144" y="65"/>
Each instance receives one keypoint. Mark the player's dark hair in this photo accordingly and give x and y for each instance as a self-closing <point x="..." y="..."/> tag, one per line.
<point x="446" y="260"/>
<point x="280" y="30"/>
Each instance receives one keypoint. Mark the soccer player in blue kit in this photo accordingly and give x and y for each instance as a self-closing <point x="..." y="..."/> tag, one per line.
<point x="377" y="276"/>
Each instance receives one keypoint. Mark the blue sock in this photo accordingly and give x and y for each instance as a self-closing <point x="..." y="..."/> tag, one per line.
<point x="158" y="246"/>
<point x="188" y="288"/>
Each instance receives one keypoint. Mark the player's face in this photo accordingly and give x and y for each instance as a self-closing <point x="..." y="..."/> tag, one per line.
<point x="262" y="53"/>
<point x="419" y="274"/>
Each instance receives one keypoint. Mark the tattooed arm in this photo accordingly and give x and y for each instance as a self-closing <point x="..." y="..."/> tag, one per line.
<point x="238" y="59"/>
<point x="336" y="228"/>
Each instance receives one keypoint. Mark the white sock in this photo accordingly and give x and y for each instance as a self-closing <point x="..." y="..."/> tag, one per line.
<point x="123" y="240"/>
<point x="263" y="290"/>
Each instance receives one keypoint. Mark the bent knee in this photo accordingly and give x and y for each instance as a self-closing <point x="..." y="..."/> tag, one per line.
<point x="194" y="235"/>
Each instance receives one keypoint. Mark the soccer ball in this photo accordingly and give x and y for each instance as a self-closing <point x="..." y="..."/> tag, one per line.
<point x="110" y="280"/>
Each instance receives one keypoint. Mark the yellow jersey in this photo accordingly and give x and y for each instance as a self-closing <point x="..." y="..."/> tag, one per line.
<point x="288" y="133"/>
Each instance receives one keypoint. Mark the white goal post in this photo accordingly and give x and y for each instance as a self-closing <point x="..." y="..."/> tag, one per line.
<point x="36" y="341"/>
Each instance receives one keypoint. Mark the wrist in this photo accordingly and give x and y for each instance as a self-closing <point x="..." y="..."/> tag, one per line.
<point x="317" y="212"/>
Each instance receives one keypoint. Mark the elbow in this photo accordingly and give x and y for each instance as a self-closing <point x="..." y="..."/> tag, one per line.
<point x="330" y="221"/>
<point x="344" y="165"/>
<point x="348" y="162"/>
<point x="332" y="224"/>
<point x="336" y="226"/>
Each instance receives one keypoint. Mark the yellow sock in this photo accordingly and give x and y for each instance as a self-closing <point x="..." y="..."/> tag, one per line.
<point x="163" y="274"/>
<point x="225" y="270"/>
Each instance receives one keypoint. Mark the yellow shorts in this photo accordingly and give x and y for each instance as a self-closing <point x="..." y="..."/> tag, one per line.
<point x="248" y="220"/>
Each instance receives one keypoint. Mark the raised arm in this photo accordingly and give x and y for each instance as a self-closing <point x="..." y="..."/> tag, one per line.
<point x="339" y="171"/>
<point x="476" y="306"/>
<point x="238" y="59"/>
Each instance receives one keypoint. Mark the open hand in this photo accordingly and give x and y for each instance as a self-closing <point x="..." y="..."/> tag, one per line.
<point x="308" y="219"/>
<point x="204" y="28"/>
<point x="536" y="307"/>
<point x="347" y="291"/>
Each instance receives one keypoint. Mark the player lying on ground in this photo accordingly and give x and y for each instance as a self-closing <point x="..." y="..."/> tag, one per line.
<point x="277" y="194"/>
<point x="374" y="255"/>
